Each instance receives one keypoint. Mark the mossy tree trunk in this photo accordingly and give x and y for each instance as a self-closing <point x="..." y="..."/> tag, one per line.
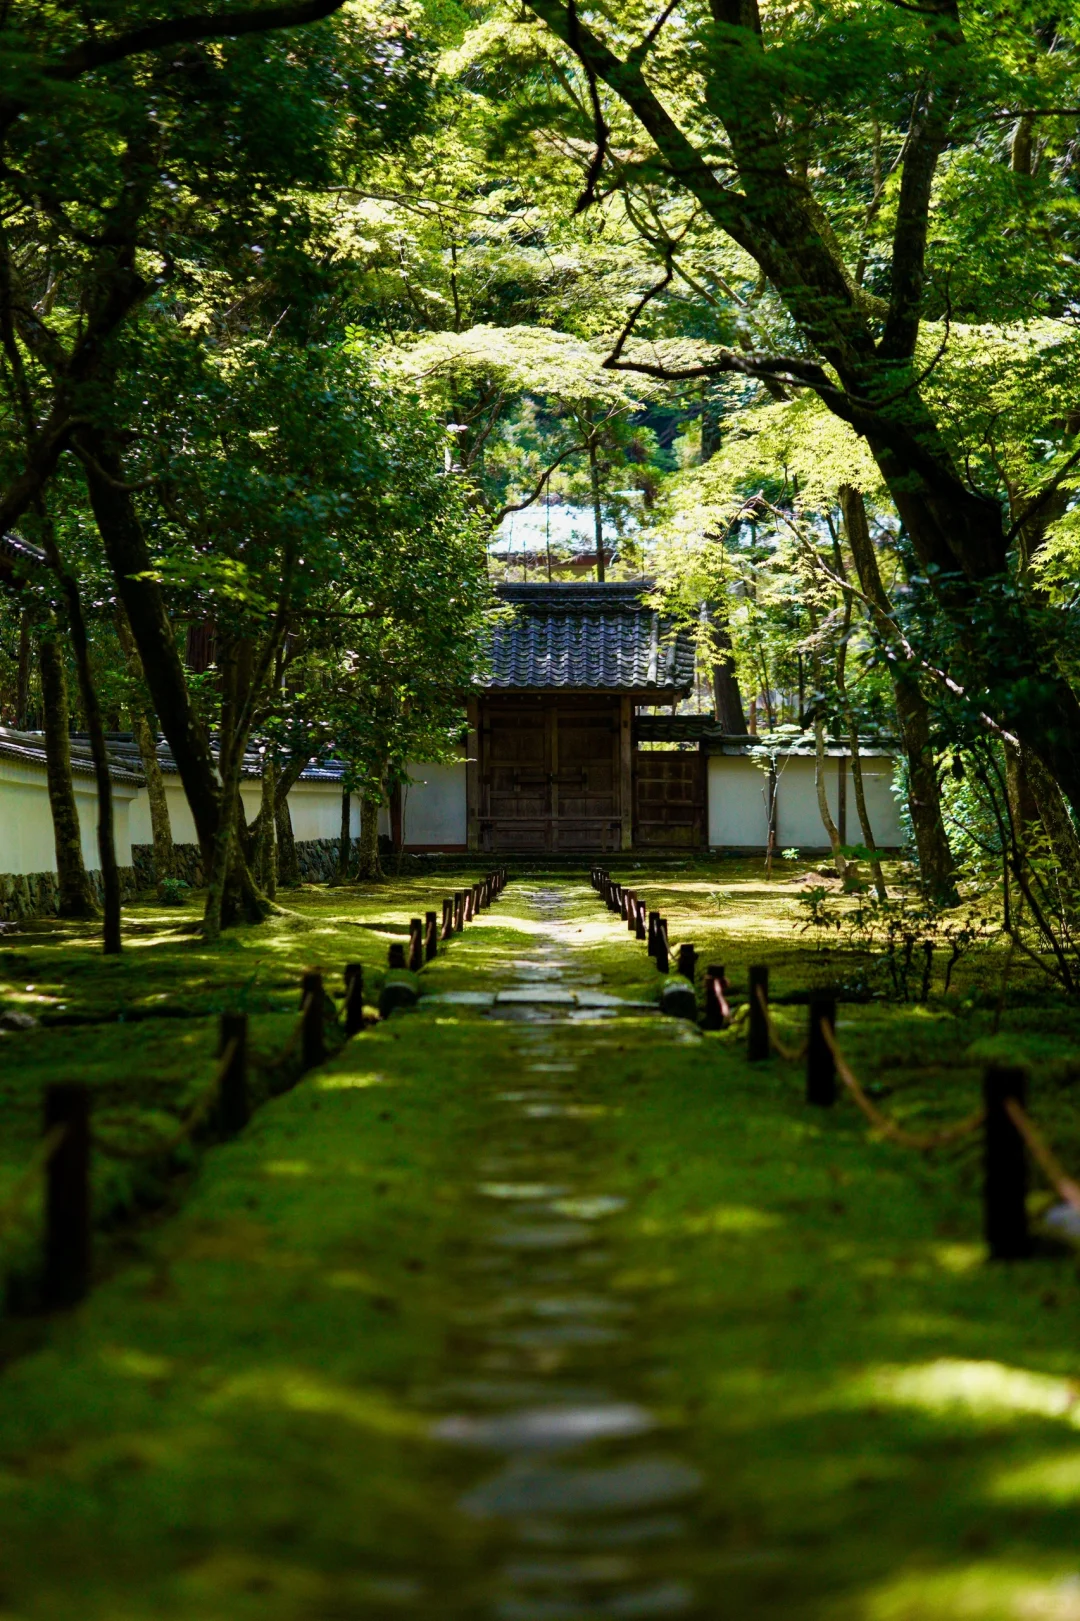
<point x="368" y="862"/>
<point x="936" y="865"/>
<point x="160" y="823"/>
<point x="345" y="837"/>
<point x="76" y="895"/>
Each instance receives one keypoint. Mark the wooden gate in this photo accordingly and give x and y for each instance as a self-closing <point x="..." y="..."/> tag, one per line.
<point x="669" y="799"/>
<point x="549" y="774"/>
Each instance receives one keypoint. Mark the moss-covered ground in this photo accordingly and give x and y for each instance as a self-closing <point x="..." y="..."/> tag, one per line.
<point x="330" y="1380"/>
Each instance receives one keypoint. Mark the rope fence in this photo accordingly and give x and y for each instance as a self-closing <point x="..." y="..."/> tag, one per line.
<point x="1010" y="1136"/>
<point x="62" y="1158"/>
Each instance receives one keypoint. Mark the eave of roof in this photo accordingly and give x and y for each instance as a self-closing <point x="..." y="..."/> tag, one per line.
<point x="587" y="637"/>
<point x="28" y="748"/>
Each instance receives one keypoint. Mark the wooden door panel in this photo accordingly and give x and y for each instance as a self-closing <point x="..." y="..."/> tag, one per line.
<point x="669" y="799"/>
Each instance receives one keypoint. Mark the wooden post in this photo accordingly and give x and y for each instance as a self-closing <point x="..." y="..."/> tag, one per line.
<point x="820" y="1063"/>
<point x="1004" y="1168"/>
<point x="354" y="998"/>
<point x="717" y="1012"/>
<point x="234" y="1107"/>
<point x="631" y="912"/>
<point x="416" y="944"/>
<point x="447" y="918"/>
<point x="758" y="1039"/>
<point x="459" y="910"/>
<point x="469" y="897"/>
<point x="477" y="891"/>
<point x="626" y="773"/>
<point x="67" y="1195"/>
<point x="472" y="774"/>
<point x="687" y="962"/>
<point x="395" y="957"/>
<point x="662" y="958"/>
<point x="654" y="920"/>
<point x="312" y="1042"/>
<point x="431" y="935"/>
<point x="639" y="921"/>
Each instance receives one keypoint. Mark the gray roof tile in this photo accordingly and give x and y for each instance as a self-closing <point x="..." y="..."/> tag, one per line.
<point x="587" y="637"/>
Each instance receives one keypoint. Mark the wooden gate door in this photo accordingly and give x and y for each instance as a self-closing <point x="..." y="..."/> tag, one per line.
<point x="669" y="799"/>
<point x="549" y="774"/>
<point x="587" y="808"/>
<point x="515" y="776"/>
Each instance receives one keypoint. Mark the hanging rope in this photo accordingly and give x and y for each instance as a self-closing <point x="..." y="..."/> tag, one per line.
<point x="791" y="1055"/>
<point x="190" y="1123"/>
<point x="1043" y="1154"/>
<point x="922" y="1142"/>
<point x="12" y="1207"/>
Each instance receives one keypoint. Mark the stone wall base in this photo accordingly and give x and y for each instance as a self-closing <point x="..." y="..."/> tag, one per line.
<point x="35" y="894"/>
<point x="317" y="860"/>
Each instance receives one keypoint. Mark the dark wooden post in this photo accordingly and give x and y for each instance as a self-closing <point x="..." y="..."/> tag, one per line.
<point x="395" y="957"/>
<point x="662" y="958"/>
<point x="639" y="921"/>
<point x="354" y="998"/>
<point x="312" y="1040"/>
<point x="416" y="944"/>
<point x="1005" y="1168"/>
<point x="630" y="911"/>
<point x="431" y="935"/>
<point x="447" y="918"/>
<point x="234" y="1107"/>
<point x="477" y="891"/>
<point x="758" y="1040"/>
<point x="820" y="1063"/>
<point x="469" y="896"/>
<point x="459" y="910"/>
<point x="717" y="1012"/>
<point x="654" y="920"/>
<point x="67" y="1195"/>
<point x="687" y="962"/>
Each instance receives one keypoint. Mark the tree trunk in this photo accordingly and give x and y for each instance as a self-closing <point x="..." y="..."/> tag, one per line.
<point x="132" y="566"/>
<point x="727" y="696"/>
<point x="345" y="839"/>
<point x="76" y="897"/>
<point x="598" y="511"/>
<point x="160" y="823"/>
<point x="287" y="861"/>
<point x="820" y="761"/>
<point x="1047" y="800"/>
<point x="106" y="838"/>
<point x="936" y="866"/>
<point x="22" y="679"/>
<point x="268" y="874"/>
<point x="864" y="815"/>
<point x="368" y="865"/>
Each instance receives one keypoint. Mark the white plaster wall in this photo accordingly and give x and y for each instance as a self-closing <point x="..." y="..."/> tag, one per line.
<point x="27" y="843"/>
<point x="736" y="794"/>
<point x="882" y="805"/>
<point x="798" y="820"/>
<point x="737" y="817"/>
<point x="26" y="829"/>
<point x="434" y="804"/>
<point x="315" y="809"/>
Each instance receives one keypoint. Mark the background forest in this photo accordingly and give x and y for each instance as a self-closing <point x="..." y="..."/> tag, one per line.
<point x="301" y="306"/>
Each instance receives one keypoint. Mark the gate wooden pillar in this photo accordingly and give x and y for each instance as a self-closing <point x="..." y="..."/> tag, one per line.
<point x="472" y="775"/>
<point x="626" y="772"/>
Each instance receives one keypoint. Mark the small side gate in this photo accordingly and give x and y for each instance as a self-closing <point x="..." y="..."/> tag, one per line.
<point x="669" y="799"/>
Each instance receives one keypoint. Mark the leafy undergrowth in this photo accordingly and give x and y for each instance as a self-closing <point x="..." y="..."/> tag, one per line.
<point x="885" y="1423"/>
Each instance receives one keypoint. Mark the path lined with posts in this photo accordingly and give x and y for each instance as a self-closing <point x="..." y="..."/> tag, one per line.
<point x="1008" y="1133"/>
<point x="532" y="1303"/>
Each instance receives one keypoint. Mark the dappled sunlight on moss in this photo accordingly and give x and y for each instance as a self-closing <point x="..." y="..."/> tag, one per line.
<point x="975" y="1390"/>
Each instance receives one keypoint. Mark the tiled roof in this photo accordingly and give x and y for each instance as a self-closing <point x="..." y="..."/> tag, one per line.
<point x="122" y="746"/>
<point x="587" y="637"/>
<point x="18" y="554"/>
<point x="29" y="749"/>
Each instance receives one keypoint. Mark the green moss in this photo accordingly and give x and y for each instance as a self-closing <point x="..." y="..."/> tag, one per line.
<point x="239" y="1420"/>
